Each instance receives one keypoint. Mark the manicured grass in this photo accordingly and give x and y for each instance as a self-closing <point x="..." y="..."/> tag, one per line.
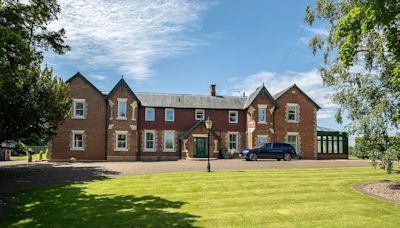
<point x="278" y="198"/>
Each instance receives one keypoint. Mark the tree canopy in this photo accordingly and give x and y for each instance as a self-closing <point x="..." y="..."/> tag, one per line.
<point x="33" y="102"/>
<point x="361" y="62"/>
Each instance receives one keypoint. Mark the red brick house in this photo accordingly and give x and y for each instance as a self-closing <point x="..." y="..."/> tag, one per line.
<point x="128" y="125"/>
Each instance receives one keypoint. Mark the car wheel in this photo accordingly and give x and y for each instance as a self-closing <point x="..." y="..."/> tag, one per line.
<point x="278" y="159"/>
<point x="253" y="157"/>
<point x="287" y="157"/>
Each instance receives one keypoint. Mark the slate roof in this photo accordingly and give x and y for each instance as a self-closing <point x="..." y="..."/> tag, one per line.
<point x="195" y="101"/>
<point x="319" y="128"/>
<point x="254" y="95"/>
<point x="191" y="101"/>
<point x="280" y="93"/>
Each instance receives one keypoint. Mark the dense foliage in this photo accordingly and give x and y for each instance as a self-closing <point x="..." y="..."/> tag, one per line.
<point x="361" y="63"/>
<point x="32" y="101"/>
<point x="363" y="147"/>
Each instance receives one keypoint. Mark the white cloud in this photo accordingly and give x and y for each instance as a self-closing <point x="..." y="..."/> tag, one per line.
<point x="310" y="32"/>
<point x="129" y="36"/>
<point x="310" y="82"/>
<point x="326" y="114"/>
<point x="318" y="31"/>
<point x="98" y="77"/>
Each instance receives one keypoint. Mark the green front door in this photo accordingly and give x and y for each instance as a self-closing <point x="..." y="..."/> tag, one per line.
<point x="200" y="147"/>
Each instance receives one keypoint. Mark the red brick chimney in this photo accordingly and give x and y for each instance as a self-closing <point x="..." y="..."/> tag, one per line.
<point x="212" y="90"/>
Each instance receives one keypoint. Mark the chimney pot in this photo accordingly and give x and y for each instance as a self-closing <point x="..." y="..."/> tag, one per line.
<point x="212" y="90"/>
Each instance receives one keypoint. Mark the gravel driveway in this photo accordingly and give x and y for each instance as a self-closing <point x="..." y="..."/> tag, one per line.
<point x="20" y="175"/>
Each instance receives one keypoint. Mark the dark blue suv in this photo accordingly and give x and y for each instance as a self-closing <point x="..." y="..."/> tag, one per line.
<point x="270" y="151"/>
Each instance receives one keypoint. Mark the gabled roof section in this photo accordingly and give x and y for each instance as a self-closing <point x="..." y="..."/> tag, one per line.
<point x="122" y="82"/>
<point x="188" y="132"/>
<point x="278" y="95"/>
<point x="79" y="75"/>
<point x="259" y="91"/>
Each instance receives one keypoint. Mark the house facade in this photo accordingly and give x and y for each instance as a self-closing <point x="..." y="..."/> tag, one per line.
<point x="127" y="125"/>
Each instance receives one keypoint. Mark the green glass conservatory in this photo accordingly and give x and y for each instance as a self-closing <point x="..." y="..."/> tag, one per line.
<point x="332" y="144"/>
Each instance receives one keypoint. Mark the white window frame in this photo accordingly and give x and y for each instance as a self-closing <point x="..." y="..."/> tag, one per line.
<point x="297" y="140"/>
<point x="117" y="133"/>
<point x="236" y="117"/>
<point x="237" y="141"/>
<point x="74" y="102"/>
<point x="76" y="132"/>
<point x="262" y="107"/>
<point x="173" y="142"/>
<point x="120" y="101"/>
<point x="147" y="117"/>
<point x="173" y="114"/>
<point x="197" y="111"/>
<point x="145" y="141"/>
<point x="296" y="116"/>
<point x="262" y="136"/>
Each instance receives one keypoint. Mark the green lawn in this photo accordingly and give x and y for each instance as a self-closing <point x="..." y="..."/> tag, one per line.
<point x="278" y="198"/>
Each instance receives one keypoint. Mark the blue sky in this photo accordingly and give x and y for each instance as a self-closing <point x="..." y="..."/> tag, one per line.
<point x="182" y="46"/>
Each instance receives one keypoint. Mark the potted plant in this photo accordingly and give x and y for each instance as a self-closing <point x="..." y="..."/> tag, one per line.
<point x="226" y="154"/>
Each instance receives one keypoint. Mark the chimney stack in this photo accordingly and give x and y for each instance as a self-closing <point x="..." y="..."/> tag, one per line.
<point x="212" y="90"/>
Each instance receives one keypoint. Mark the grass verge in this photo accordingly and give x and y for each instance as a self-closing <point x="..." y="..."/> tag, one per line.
<point x="278" y="198"/>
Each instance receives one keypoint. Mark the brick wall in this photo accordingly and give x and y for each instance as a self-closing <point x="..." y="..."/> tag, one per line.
<point x="101" y="124"/>
<point x="306" y="126"/>
<point x="255" y="128"/>
<point x="184" y="120"/>
<point x="128" y="124"/>
<point x="94" y="126"/>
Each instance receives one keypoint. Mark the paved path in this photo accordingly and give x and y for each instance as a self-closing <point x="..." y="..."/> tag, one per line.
<point x="19" y="175"/>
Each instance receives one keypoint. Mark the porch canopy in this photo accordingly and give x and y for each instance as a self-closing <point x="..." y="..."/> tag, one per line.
<point x="188" y="132"/>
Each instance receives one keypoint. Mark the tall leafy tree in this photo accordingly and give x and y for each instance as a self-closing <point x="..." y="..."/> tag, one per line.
<point x="33" y="101"/>
<point x="361" y="61"/>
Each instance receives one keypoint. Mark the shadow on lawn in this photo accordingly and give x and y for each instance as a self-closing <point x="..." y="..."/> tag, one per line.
<point x="71" y="206"/>
<point x="32" y="175"/>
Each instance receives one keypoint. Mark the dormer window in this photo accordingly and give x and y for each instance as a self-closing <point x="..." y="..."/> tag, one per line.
<point x="122" y="108"/>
